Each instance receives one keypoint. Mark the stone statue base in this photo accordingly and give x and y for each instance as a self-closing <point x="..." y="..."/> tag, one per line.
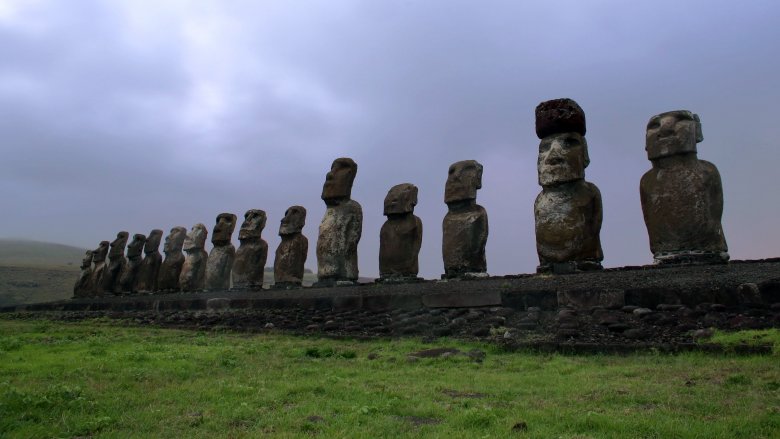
<point x="466" y="275"/>
<point x="332" y="282"/>
<point x="569" y="267"/>
<point x="692" y="257"/>
<point x="399" y="280"/>
<point x="286" y="286"/>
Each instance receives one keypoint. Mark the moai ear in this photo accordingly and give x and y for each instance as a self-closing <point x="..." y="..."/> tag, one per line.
<point x="586" y="157"/>
<point x="699" y="134"/>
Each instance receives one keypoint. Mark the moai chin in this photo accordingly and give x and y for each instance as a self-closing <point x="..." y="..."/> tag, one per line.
<point x="568" y="211"/>
<point x="252" y="253"/>
<point x="84" y="287"/>
<point x="682" y="196"/>
<point x="170" y="269"/>
<point x="116" y="264"/>
<point x="131" y="269"/>
<point x="400" y="237"/>
<point x="341" y="227"/>
<point x="146" y="281"/>
<point x="292" y="251"/>
<point x="465" y="226"/>
<point x="99" y="270"/>
<point x="193" y="272"/>
<point x="223" y="254"/>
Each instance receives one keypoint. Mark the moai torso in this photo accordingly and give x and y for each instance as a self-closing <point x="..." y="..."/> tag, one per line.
<point x="193" y="272"/>
<point x="131" y="269"/>
<point x="170" y="269"/>
<point x="84" y="287"/>
<point x="99" y="270"/>
<point x="116" y="264"/>
<point x="223" y="254"/>
<point x="292" y="251"/>
<point x="251" y="256"/>
<point x="400" y="238"/>
<point x="465" y="226"/>
<point x="146" y="281"/>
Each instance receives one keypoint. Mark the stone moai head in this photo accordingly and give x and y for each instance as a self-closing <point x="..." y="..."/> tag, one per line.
<point x="223" y="230"/>
<point x="153" y="241"/>
<point x="136" y="246"/>
<point x="293" y="221"/>
<point x="253" y="225"/>
<point x="563" y="150"/>
<point x="118" y="245"/>
<point x="338" y="182"/>
<point x="175" y="240"/>
<point x="671" y="133"/>
<point x="463" y="180"/>
<point x="99" y="254"/>
<point x="87" y="261"/>
<point x="196" y="239"/>
<point x="400" y="199"/>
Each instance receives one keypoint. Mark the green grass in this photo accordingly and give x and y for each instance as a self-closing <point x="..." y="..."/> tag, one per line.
<point x="766" y="337"/>
<point x="97" y="379"/>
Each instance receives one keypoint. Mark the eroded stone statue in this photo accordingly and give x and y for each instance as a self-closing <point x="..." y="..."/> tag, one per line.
<point x="116" y="264"/>
<point x="131" y="269"/>
<point x="401" y="236"/>
<point x="222" y="255"/>
<point x="682" y="196"/>
<point x="99" y="270"/>
<point x="568" y="211"/>
<point x="170" y="269"/>
<point x="292" y="251"/>
<point x="193" y="272"/>
<point x="84" y="287"/>
<point x="341" y="227"/>
<point x="252" y="253"/>
<point x="146" y="281"/>
<point x="465" y="226"/>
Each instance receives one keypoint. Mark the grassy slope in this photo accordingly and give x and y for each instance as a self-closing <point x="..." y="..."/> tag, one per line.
<point x="14" y="252"/>
<point x="94" y="379"/>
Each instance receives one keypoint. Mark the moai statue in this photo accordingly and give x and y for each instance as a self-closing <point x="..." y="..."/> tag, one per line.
<point x="170" y="269"/>
<point x="223" y="254"/>
<point x="341" y="227"/>
<point x="193" y="273"/>
<point x="568" y="210"/>
<point x="682" y="196"/>
<point x="84" y="287"/>
<point x="99" y="270"/>
<point x="292" y="251"/>
<point x="146" y="281"/>
<point x="130" y="271"/>
<point x="252" y="253"/>
<point x="465" y="227"/>
<point x="116" y="264"/>
<point x="401" y="236"/>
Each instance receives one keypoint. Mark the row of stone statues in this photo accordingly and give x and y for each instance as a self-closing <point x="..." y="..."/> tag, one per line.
<point x="682" y="203"/>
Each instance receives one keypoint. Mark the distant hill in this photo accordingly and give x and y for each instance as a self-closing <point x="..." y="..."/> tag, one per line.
<point x="17" y="252"/>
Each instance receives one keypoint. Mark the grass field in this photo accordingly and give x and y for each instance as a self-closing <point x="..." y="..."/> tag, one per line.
<point x="96" y="379"/>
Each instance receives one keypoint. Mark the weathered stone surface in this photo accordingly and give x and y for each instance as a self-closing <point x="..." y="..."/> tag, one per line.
<point x="461" y="300"/>
<point x="293" y="250"/>
<point x="84" y="287"/>
<point x="170" y="270"/>
<point x="341" y="227"/>
<point x="400" y="238"/>
<point x="682" y="196"/>
<point x="465" y="227"/>
<point x="116" y="264"/>
<point x="568" y="211"/>
<point x="146" y="281"/>
<point x="127" y="279"/>
<point x="193" y="272"/>
<point x="252" y="253"/>
<point x="222" y="256"/>
<point x="99" y="270"/>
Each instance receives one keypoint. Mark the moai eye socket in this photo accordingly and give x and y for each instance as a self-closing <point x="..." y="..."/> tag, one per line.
<point x="544" y="145"/>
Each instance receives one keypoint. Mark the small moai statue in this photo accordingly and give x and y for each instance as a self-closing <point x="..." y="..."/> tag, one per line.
<point x="99" y="269"/>
<point x="568" y="211"/>
<point x="170" y="269"/>
<point x="292" y="251"/>
<point x="193" y="272"/>
<point x="400" y="238"/>
<point x="465" y="226"/>
<point x="223" y="254"/>
<point x="84" y="287"/>
<point x="252" y="253"/>
<point x="116" y="264"/>
<point x="682" y="196"/>
<point x="146" y="281"/>
<point x="130" y="271"/>
<point x="341" y="227"/>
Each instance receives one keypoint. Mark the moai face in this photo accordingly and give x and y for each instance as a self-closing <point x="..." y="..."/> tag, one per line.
<point x="463" y="180"/>
<point x="153" y="241"/>
<point x="253" y="225"/>
<point x="136" y="246"/>
<point x="175" y="240"/>
<point x="118" y="245"/>
<point x="223" y="230"/>
<point x="100" y="253"/>
<point x="562" y="157"/>
<point x="673" y="132"/>
<point x="293" y="221"/>
<point x="338" y="182"/>
<point x="196" y="239"/>
<point x="87" y="261"/>
<point x="401" y="199"/>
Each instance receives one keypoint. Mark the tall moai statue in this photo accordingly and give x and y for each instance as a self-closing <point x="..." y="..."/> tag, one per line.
<point x="465" y="226"/>
<point x="682" y="196"/>
<point x="146" y="281"/>
<point x="252" y="253"/>
<point x="222" y="256"/>
<point x="99" y="270"/>
<point x="341" y="227"/>
<point x="130" y="271"/>
<point x="292" y="251"/>
<point x="193" y="272"/>
<point x="568" y="210"/>
<point x="84" y="287"/>
<point x="400" y="238"/>
<point x="116" y="264"/>
<point x="170" y="269"/>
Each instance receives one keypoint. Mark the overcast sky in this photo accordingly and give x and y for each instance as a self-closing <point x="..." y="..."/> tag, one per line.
<point x="137" y="115"/>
